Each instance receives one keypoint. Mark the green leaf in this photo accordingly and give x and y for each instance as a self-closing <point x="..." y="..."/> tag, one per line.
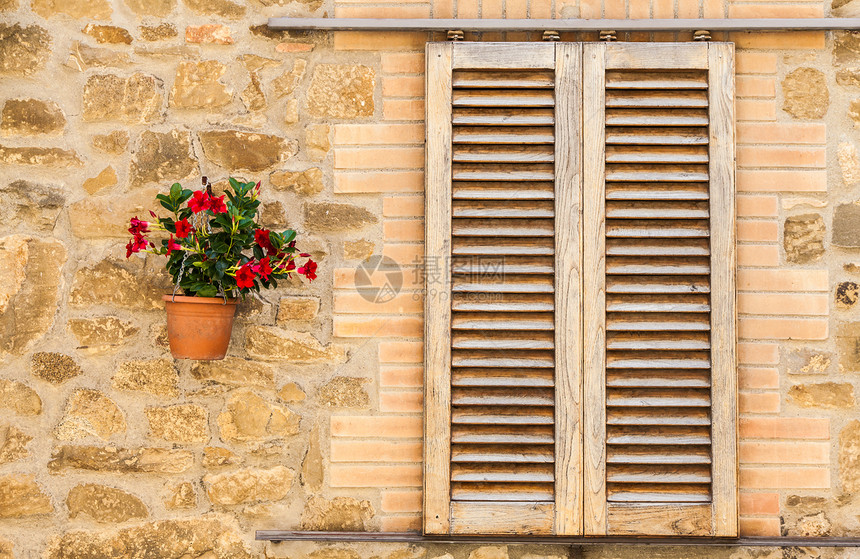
<point x="221" y="267"/>
<point x="175" y="191"/>
<point x="289" y="235"/>
<point x="222" y="221"/>
<point x="208" y="291"/>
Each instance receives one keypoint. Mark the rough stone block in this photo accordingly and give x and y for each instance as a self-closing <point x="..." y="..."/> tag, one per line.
<point x="21" y="496"/>
<point x="19" y="398"/>
<point x="846" y="225"/>
<point x="183" y="423"/>
<point x="803" y="238"/>
<point x="105" y="505"/>
<point x="121" y="460"/>
<point x="197" y="85"/>
<point x="341" y="91"/>
<point x="805" y="93"/>
<point x="13" y="444"/>
<point x="235" y="150"/>
<point x="154" y="376"/>
<point x="339" y="514"/>
<point x="137" y="99"/>
<point x="31" y="116"/>
<point x="248" y="417"/>
<point x="90" y="413"/>
<point x="249" y="485"/>
<point x="23" y="50"/>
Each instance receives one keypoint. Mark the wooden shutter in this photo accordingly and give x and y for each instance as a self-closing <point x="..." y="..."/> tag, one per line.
<point x="502" y="315"/>
<point x="659" y="290"/>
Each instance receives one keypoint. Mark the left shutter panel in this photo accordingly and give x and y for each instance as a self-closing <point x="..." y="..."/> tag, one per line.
<point x="502" y="361"/>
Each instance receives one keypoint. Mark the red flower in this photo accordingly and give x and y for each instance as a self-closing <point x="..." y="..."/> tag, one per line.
<point x="263" y="269"/>
<point x="137" y="244"/>
<point x="172" y="245"/>
<point x="152" y="213"/>
<point x="309" y="270"/>
<point x="218" y="205"/>
<point x="199" y="201"/>
<point x="261" y="237"/>
<point x="183" y="228"/>
<point x="245" y="276"/>
<point x="138" y="227"/>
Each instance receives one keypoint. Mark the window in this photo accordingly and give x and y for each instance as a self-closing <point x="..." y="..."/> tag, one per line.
<point x="580" y="369"/>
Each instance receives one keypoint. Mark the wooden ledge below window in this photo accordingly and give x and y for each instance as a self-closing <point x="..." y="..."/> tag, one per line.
<point x="278" y="536"/>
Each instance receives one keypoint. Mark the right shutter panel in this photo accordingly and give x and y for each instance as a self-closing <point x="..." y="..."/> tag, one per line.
<point x="661" y="329"/>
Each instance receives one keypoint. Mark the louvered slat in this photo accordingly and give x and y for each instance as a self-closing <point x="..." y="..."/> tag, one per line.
<point x="658" y="264"/>
<point x="502" y="337"/>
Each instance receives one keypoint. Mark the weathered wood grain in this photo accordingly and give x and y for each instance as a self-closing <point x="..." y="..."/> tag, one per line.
<point x="659" y="519"/>
<point x="437" y="306"/>
<point x="502" y="518"/>
<point x="723" y="312"/>
<point x="568" y="290"/>
<point x="593" y="292"/>
<point x="658" y="56"/>
<point x="502" y="56"/>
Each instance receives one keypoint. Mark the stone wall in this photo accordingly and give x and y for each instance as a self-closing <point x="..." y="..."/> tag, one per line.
<point x="109" y="448"/>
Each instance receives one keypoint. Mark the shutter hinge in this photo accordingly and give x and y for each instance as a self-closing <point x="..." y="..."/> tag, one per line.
<point x="551" y="36"/>
<point x="456" y="35"/>
<point x="702" y="35"/>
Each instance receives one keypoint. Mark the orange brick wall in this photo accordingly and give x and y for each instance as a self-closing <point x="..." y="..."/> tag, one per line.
<point x="384" y="161"/>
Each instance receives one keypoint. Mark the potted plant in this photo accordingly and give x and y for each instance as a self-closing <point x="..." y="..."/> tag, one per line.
<point x="215" y="253"/>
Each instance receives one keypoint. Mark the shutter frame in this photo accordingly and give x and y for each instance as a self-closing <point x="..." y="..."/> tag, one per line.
<point x="719" y="516"/>
<point x="437" y="243"/>
<point x="721" y="80"/>
<point x="568" y="289"/>
<point x="594" y="296"/>
<point x="580" y="488"/>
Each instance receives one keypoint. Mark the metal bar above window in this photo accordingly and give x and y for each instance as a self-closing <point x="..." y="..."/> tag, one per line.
<point x="562" y="25"/>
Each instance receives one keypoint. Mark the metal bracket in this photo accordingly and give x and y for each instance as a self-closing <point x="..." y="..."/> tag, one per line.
<point x="551" y="36"/>
<point x="701" y="35"/>
<point x="456" y="35"/>
<point x="608" y="36"/>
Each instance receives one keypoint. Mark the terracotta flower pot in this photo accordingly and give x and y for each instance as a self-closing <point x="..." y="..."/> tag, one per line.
<point x="199" y="327"/>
